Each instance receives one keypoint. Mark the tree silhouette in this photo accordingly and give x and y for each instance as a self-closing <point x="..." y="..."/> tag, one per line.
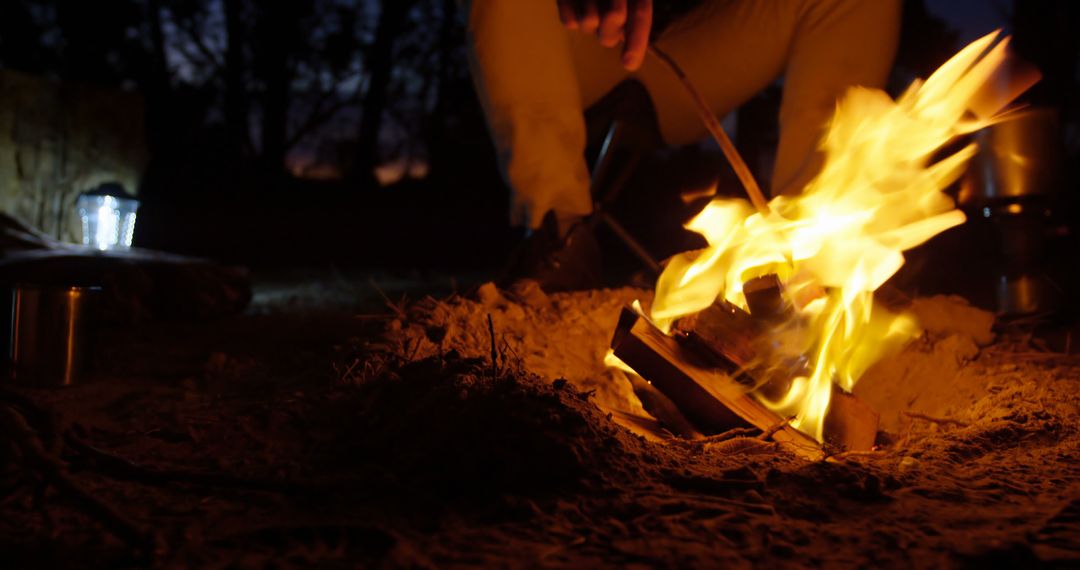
<point x="240" y="85"/>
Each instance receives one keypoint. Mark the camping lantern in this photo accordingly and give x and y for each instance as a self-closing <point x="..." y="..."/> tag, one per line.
<point x="108" y="217"/>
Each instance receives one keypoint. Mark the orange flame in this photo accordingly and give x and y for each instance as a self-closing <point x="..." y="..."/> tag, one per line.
<point x="844" y="236"/>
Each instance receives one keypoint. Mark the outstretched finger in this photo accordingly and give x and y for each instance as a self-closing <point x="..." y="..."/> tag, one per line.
<point x="613" y="23"/>
<point x="638" y="27"/>
<point x="590" y="18"/>
<point x="568" y="14"/>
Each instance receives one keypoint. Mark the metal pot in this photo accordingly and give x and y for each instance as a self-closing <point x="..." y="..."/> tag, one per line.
<point x="1014" y="181"/>
<point x="51" y="333"/>
<point x="1018" y="158"/>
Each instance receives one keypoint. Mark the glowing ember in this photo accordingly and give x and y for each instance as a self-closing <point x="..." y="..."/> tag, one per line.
<point x="843" y="237"/>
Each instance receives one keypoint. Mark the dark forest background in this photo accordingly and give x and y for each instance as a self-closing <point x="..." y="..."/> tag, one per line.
<point x="332" y="130"/>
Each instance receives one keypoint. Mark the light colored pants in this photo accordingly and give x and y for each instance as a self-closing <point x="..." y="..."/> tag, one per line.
<point x="535" y="78"/>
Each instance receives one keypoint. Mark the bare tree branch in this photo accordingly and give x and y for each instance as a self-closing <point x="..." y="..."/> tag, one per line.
<point x="316" y="119"/>
<point x="199" y="42"/>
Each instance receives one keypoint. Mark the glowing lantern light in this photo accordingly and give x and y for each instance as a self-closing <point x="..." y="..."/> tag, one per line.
<point x="108" y="217"/>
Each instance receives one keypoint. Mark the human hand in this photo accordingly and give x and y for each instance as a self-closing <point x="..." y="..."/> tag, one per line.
<point x="613" y="21"/>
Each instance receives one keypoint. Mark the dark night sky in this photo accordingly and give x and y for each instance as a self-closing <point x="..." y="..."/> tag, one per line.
<point x="973" y="18"/>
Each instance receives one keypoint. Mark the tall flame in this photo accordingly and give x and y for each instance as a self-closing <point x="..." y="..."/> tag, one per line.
<point x="876" y="196"/>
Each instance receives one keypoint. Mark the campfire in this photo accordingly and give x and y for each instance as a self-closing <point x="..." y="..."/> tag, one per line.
<point x="775" y="321"/>
<point x="875" y="366"/>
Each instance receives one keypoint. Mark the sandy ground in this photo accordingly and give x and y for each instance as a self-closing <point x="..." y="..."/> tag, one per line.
<point x="336" y="439"/>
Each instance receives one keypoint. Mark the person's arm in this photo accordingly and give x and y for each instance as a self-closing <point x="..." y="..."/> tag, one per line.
<point x="613" y="21"/>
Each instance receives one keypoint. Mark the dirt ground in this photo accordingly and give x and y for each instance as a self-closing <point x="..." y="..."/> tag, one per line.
<point x="305" y="435"/>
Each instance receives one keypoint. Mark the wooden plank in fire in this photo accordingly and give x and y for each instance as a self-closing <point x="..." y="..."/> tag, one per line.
<point x="725" y="336"/>
<point x="707" y="395"/>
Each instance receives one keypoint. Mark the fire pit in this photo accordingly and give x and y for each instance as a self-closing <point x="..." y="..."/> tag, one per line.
<point x="768" y="352"/>
<point x="793" y="340"/>
<point x="971" y="422"/>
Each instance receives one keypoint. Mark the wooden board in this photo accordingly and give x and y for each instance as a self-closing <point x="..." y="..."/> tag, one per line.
<point x="708" y="396"/>
<point x="713" y="399"/>
<point x="728" y="337"/>
<point x="850" y="423"/>
<point x="723" y="332"/>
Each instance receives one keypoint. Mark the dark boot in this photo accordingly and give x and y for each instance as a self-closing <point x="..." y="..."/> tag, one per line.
<point x="571" y="262"/>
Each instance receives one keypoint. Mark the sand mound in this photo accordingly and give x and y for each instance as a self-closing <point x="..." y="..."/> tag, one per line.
<point x="564" y="335"/>
<point x="455" y="426"/>
<point x="979" y="467"/>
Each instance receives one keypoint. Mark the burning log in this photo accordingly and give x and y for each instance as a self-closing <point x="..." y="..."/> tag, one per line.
<point x="708" y="396"/>
<point x="850" y="423"/>
<point x="876" y="195"/>
<point x="704" y="371"/>
<point x="729" y="334"/>
<point x="723" y="334"/>
<point x="729" y="337"/>
<point x="766" y="299"/>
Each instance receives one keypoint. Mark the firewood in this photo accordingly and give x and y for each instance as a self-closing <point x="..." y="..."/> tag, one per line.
<point x="712" y="124"/>
<point x="729" y="335"/>
<point x="766" y="298"/>
<point x="850" y="423"/>
<point x="663" y="409"/>
<point x="717" y="397"/>
<point x="723" y="333"/>
<point x="708" y="396"/>
<point x="732" y="338"/>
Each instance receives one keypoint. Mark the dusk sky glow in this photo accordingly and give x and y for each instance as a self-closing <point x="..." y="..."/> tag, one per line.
<point x="972" y="18"/>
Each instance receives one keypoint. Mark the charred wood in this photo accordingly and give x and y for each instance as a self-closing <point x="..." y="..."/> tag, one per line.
<point x="705" y="369"/>
<point x="708" y="396"/>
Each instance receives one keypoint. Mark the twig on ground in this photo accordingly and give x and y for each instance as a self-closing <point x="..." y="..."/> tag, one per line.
<point x="397" y="308"/>
<point x="16" y="491"/>
<point x="559" y="548"/>
<point x="714" y="438"/>
<point x="120" y="468"/>
<point x="767" y="434"/>
<point x="729" y="434"/>
<point x="344" y="376"/>
<point x="54" y="471"/>
<point x="412" y="347"/>
<point x="933" y="420"/>
<point x="1041" y="345"/>
<point x="506" y="348"/>
<point x="852" y="454"/>
<point x="494" y="350"/>
<point x="44" y="420"/>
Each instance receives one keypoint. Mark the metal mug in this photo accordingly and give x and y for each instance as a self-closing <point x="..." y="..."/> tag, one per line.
<point x="1018" y="158"/>
<point x="1014" y="180"/>
<point x="51" y="334"/>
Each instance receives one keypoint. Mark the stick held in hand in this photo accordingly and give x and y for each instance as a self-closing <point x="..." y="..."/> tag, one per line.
<point x="757" y="198"/>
